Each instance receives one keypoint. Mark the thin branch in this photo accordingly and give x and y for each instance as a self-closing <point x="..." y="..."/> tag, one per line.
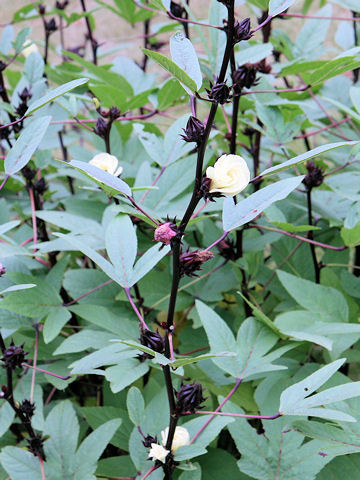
<point x="279" y="90"/>
<point x="240" y="415"/>
<point x="88" y="293"/>
<point x="298" y="237"/>
<point x="229" y="395"/>
<point x="36" y="347"/>
<point x="134" y="307"/>
<point x="220" y="239"/>
<point x="320" y="17"/>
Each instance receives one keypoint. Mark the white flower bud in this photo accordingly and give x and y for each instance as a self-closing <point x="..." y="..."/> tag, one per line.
<point x="30" y="48"/>
<point x="229" y="175"/>
<point x="181" y="437"/>
<point x="108" y="163"/>
<point x="158" y="452"/>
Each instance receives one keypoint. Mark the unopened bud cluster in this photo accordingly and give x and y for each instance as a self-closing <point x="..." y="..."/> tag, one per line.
<point x="152" y="340"/>
<point x="13" y="356"/>
<point x="314" y="177"/>
<point x="194" y="130"/>
<point x="189" y="398"/>
<point x="219" y="93"/>
<point x="191" y="262"/>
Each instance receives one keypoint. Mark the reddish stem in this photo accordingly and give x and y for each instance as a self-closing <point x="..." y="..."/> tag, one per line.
<point x="299" y="15"/>
<point x="4" y="181"/>
<point x="213" y="414"/>
<point x="36" y="346"/>
<point x="298" y="237"/>
<point x="265" y="22"/>
<point x="45" y="371"/>
<point x="284" y="90"/>
<point x="142" y="211"/>
<point x="29" y="240"/>
<point x="263" y="417"/>
<point x="33" y="216"/>
<point x="320" y="130"/>
<point x="134" y="307"/>
<point x="224" y="235"/>
<point x="88" y="293"/>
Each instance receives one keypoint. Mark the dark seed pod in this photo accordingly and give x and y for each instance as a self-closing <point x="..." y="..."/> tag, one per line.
<point x="101" y="127"/>
<point x="244" y="76"/>
<point x="35" y="446"/>
<point x="189" y="398"/>
<point x="27" y="408"/>
<point x="152" y="340"/>
<point x="40" y="186"/>
<point x="2" y="270"/>
<point x="13" y="356"/>
<point x="314" y="177"/>
<point x="242" y="30"/>
<point x="219" y="92"/>
<point x="194" y="130"/>
<point x="190" y="262"/>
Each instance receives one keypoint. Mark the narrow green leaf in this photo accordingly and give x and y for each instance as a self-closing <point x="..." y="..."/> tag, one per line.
<point x="108" y="182"/>
<point x="172" y="68"/>
<point x="184" y="55"/>
<point x="305" y="156"/>
<point x="278" y="6"/>
<point x="52" y="94"/>
<point x="236" y="215"/>
<point x="135" y="405"/>
<point x="28" y="141"/>
<point x="121" y="247"/>
<point x="262" y="317"/>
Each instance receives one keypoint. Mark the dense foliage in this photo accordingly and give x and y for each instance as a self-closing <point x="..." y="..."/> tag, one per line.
<point x="154" y="321"/>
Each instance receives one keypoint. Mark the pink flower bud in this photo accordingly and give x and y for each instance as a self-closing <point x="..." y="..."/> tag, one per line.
<point x="165" y="232"/>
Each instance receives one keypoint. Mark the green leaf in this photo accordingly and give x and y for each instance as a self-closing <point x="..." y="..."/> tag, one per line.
<point x="262" y="317"/>
<point x="251" y="347"/>
<point x="305" y="156"/>
<point x="20" y="464"/>
<point x="279" y="453"/>
<point x="188" y="451"/>
<point x="351" y="236"/>
<point x="63" y="428"/>
<point x="135" y="405"/>
<point x="184" y="55"/>
<point x="111" y="184"/>
<point x="289" y="227"/>
<point x="52" y="94"/>
<point x="147" y="262"/>
<point x="158" y="357"/>
<point x="34" y="302"/>
<point x="92" y="448"/>
<point x="278" y="6"/>
<point x="28" y="141"/>
<point x="172" y="68"/>
<point x="121" y="247"/>
<point x="297" y="399"/>
<point x="327" y="301"/>
<point x="180" y="362"/>
<point x="54" y="322"/>
<point x="105" y="266"/>
<point x="235" y="215"/>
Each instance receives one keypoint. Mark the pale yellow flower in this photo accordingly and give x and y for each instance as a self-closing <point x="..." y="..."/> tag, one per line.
<point x="30" y="48"/>
<point x="108" y="163"/>
<point x="229" y="175"/>
<point x="181" y="438"/>
<point x="158" y="452"/>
